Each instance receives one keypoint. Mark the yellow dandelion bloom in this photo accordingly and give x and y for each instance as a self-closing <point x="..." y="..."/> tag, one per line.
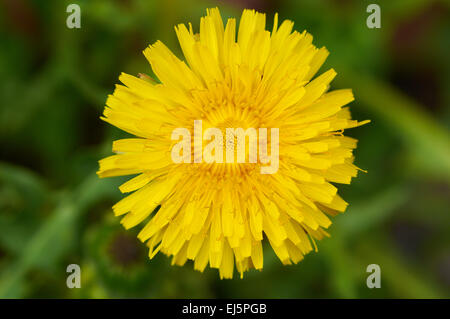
<point x="215" y="212"/>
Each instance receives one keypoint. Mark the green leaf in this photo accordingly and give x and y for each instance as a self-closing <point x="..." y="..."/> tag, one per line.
<point x="54" y="230"/>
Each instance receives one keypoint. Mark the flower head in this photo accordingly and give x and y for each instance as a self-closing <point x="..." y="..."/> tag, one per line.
<point x="215" y="212"/>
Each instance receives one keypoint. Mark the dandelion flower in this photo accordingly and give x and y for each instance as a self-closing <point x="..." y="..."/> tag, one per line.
<point x="220" y="213"/>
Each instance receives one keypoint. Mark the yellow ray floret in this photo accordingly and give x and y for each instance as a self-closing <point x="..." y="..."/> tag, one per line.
<point x="220" y="213"/>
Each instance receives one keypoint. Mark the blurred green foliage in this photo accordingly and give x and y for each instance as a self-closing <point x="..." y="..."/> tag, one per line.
<point x="54" y="211"/>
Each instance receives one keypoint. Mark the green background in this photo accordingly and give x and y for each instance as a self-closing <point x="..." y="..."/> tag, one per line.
<point x="54" y="211"/>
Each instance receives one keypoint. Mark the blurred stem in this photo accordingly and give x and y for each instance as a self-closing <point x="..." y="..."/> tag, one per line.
<point x="91" y="91"/>
<point x="369" y="213"/>
<point x="343" y="280"/>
